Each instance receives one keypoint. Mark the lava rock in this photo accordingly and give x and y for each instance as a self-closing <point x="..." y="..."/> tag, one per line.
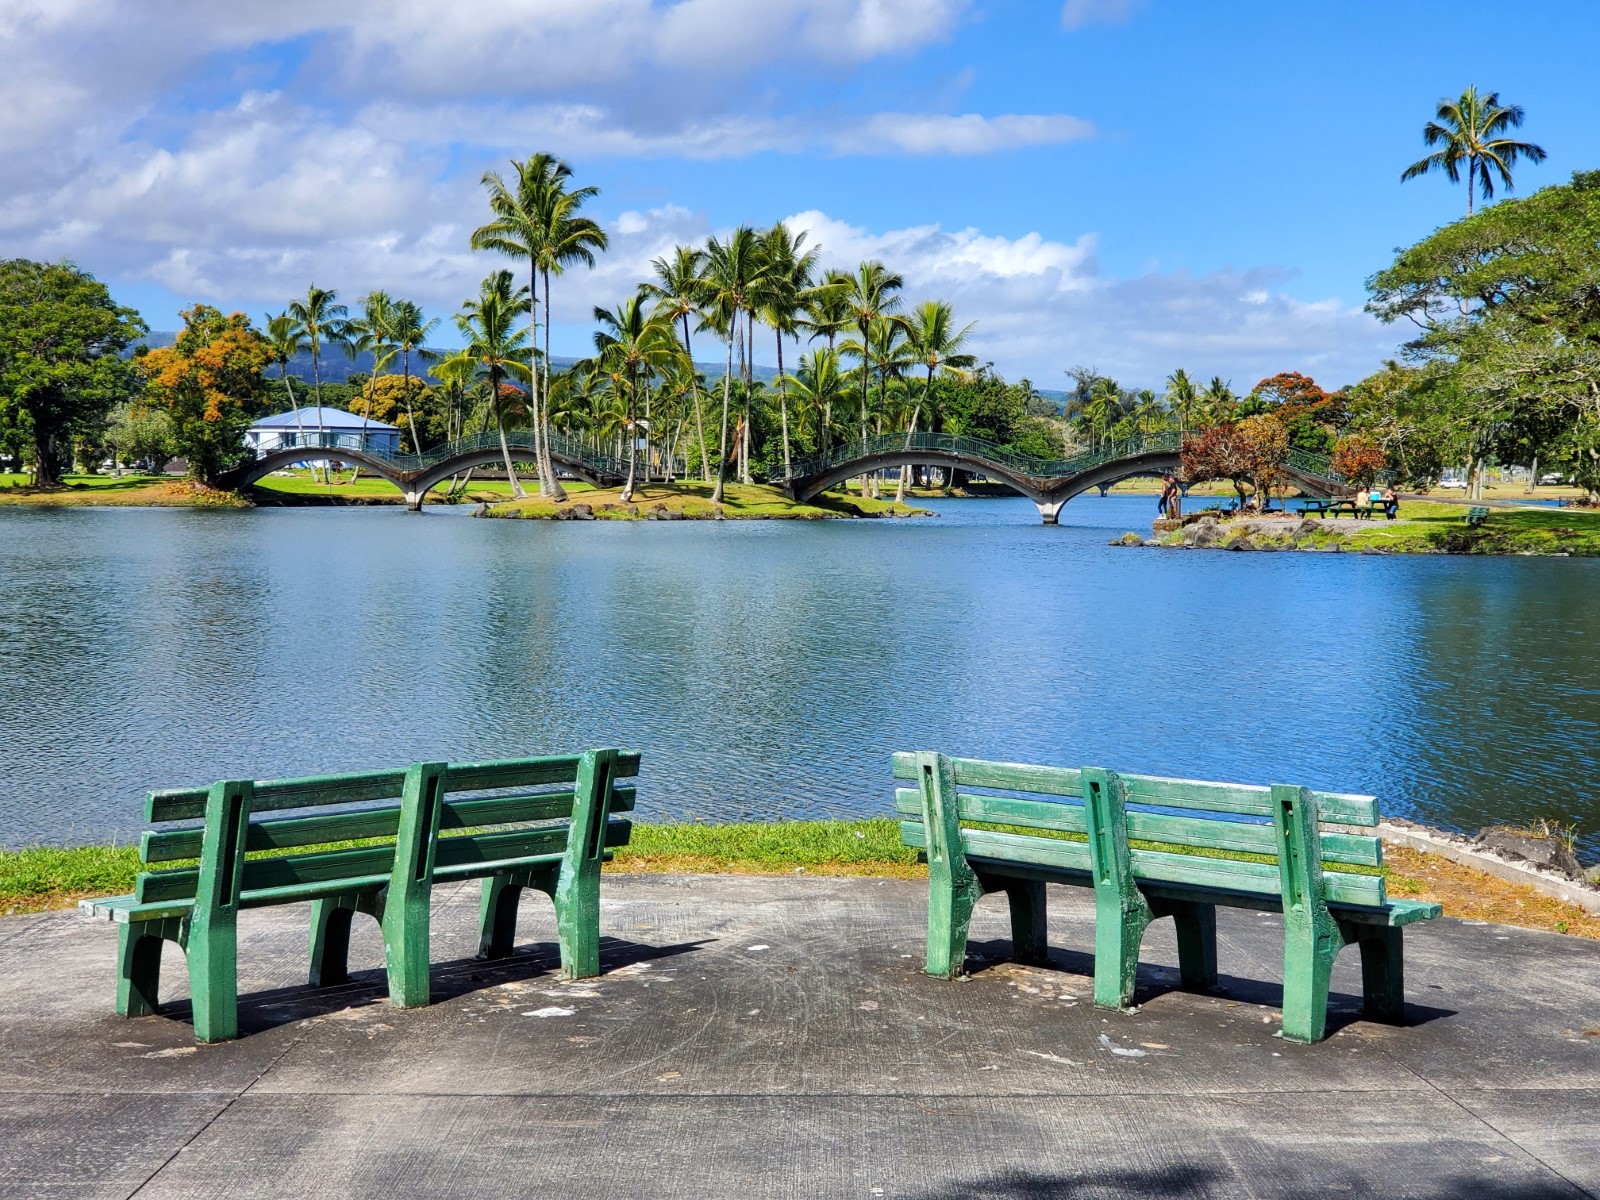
<point x="1203" y="533"/>
<point x="1551" y="853"/>
<point x="581" y="512"/>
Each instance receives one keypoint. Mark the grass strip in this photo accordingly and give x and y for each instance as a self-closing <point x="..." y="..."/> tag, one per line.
<point x="46" y="877"/>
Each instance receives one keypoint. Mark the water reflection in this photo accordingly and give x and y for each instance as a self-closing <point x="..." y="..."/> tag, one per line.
<point x="768" y="669"/>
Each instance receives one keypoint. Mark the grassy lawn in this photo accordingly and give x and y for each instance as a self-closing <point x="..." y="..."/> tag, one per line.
<point x="1426" y="527"/>
<point x="693" y="499"/>
<point x="161" y="491"/>
<point x="41" y="878"/>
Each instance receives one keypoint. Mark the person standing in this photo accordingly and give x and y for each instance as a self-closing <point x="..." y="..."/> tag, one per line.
<point x="1171" y="501"/>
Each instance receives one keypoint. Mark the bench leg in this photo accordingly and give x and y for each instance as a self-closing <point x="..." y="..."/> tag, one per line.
<point x="1117" y="935"/>
<point x="497" y="916"/>
<point x="407" y="948"/>
<point x="1310" y="946"/>
<point x="1197" y="945"/>
<point x="578" y="922"/>
<point x="330" y="942"/>
<point x="138" y="970"/>
<point x="949" y="917"/>
<point x="213" y="959"/>
<point x="1029" y="937"/>
<point x="1382" y="972"/>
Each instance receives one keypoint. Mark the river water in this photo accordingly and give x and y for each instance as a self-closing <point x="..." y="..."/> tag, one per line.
<point x="768" y="669"/>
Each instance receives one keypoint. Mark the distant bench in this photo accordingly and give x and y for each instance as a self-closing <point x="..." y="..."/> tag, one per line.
<point x="1209" y="851"/>
<point x="421" y="830"/>
<point x="1476" y="516"/>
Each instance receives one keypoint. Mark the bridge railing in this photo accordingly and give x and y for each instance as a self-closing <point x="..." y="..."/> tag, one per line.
<point x="520" y="441"/>
<point x="981" y="452"/>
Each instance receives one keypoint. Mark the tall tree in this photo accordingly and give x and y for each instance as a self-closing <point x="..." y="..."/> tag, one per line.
<point x="212" y="382"/>
<point x="1183" y="397"/>
<point x="489" y="327"/>
<point x="325" y="322"/>
<point x="632" y="344"/>
<point x="61" y="364"/>
<point x="1467" y="130"/>
<point x="538" y="220"/>
<point x="679" y="289"/>
<point x="871" y="296"/>
<point x="734" y="276"/>
<point x="791" y="271"/>
<point x="373" y="333"/>
<point x="408" y="331"/>
<point x="938" y="346"/>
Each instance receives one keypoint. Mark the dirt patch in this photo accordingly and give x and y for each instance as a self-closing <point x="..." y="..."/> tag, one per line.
<point x="1476" y="896"/>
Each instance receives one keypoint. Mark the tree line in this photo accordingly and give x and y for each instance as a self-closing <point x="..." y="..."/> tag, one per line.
<point x="1504" y="367"/>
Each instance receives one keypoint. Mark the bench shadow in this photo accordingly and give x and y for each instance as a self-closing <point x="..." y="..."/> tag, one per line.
<point x="1152" y="982"/>
<point x="1194" y="1179"/>
<point x="449" y="979"/>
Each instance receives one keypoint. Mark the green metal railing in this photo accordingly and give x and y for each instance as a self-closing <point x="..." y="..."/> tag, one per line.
<point x="520" y="441"/>
<point x="983" y="453"/>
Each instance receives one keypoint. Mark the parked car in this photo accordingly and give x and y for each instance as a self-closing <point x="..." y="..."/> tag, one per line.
<point x="1452" y="483"/>
<point x="1552" y="477"/>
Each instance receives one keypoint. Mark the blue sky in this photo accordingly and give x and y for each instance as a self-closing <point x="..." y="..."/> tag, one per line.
<point x="1131" y="184"/>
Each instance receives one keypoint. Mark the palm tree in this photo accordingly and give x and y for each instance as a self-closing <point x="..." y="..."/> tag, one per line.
<point x="734" y="271"/>
<point x="937" y="345"/>
<point x="1183" y="397"/>
<point x="819" y="385"/>
<point x="371" y="333"/>
<point x="679" y="289"/>
<point x="871" y="296"/>
<point x="285" y="339"/>
<point x="1103" y="408"/>
<point x="454" y="372"/>
<point x="537" y="221"/>
<point x="630" y="344"/>
<point x="322" y="321"/>
<point x="791" y="269"/>
<point x="1466" y="129"/>
<point x="407" y="332"/>
<point x="488" y="324"/>
<point x="1218" y="400"/>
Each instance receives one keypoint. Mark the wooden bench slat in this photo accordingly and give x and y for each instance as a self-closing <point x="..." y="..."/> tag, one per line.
<point x="1219" y="874"/>
<point x="1335" y="808"/>
<point x="1201" y="832"/>
<point x="1016" y="777"/>
<point x="1001" y="810"/>
<point x="176" y="845"/>
<point x="189" y="804"/>
<point x="528" y="772"/>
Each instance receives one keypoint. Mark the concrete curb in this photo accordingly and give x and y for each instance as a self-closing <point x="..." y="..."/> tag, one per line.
<point x="1459" y="850"/>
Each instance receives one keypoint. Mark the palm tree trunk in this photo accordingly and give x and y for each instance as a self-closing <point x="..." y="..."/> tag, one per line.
<point x="722" y="443"/>
<point x="541" y="438"/>
<point x="699" y="416"/>
<point x="783" y="404"/>
<point x="411" y="416"/>
<point x="633" y="437"/>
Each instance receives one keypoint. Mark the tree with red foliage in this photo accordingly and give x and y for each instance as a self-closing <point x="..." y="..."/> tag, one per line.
<point x="1312" y="416"/>
<point x="1359" y="459"/>
<point x="1251" y="451"/>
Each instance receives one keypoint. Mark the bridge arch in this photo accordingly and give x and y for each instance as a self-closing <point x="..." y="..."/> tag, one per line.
<point x="815" y="485"/>
<point x="275" y="460"/>
<point x="1048" y="484"/>
<point x="424" y="481"/>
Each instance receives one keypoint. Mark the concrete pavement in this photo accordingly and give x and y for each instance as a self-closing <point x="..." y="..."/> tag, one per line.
<point x="758" y="1036"/>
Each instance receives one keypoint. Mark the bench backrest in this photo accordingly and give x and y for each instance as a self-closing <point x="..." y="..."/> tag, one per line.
<point x="1233" y="837"/>
<point x="413" y="821"/>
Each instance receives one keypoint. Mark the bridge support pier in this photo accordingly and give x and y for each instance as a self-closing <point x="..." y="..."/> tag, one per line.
<point x="1049" y="510"/>
<point x="413" y="500"/>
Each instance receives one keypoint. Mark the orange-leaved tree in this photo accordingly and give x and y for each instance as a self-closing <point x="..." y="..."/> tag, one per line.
<point x="212" y="382"/>
<point x="1251" y="451"/>
<point x="1359" y="459"/>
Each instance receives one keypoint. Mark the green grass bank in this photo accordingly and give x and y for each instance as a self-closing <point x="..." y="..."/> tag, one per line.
<point x="40" y="878"/>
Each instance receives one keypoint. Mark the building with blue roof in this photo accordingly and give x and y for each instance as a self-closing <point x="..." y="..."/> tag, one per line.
<point x="323" y="428"/>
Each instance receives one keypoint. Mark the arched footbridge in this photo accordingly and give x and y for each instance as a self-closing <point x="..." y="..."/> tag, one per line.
<point x="1049" y="483"/>
<point x="416" y="474"/>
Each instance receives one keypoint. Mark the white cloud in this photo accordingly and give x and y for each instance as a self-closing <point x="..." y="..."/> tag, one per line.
<point x="1075" y="14"/>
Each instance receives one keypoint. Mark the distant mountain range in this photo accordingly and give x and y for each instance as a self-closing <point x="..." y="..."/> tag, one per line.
<point x="337" y="367"/>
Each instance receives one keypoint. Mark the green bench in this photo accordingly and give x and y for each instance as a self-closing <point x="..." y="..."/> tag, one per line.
<point x="432" y="822"/>
<point x="1476" y="516"/>
<point x="1170" y="872"/>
